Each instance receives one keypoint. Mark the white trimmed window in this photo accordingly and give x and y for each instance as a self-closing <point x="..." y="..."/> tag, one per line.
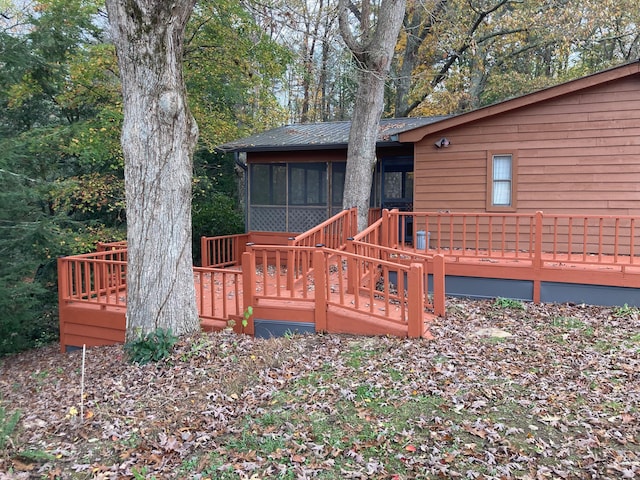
<point x="501" y="181"/>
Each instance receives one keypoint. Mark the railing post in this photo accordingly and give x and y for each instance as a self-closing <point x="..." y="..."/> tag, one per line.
<point x="537" y="242"/>
<point x="352" y="266"/>
<point x="415" y="301"/>
<point x="353" y="220"/>
<point x="291" y="263"/>
<point x="353" y="231"/>
<point x="63" y="293"/>
<point x="248" y="287"/>
<point x="439" y="307"/>
<point x="204" y="252"/>
<point x="384" y="228"/>
<point x="320" y="290"/>
<point x="537" y="257"/>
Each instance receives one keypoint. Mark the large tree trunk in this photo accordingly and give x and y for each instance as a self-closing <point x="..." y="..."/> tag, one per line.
<point x="373" y="51"/>
<point x="158" y="138"/>
<point x="361" y="151"/>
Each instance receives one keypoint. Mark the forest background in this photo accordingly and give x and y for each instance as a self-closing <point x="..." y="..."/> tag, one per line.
<point x="249" y="65"/>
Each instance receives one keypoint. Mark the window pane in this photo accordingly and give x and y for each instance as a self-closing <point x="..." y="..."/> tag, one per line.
<point x="315" y="186"/>
<point x="279" y="185"/>
<point x="308" y="184"/>
<point x="502" y="167"/>
<point x="408" y="186"/>
<point x="393" y="185"/>
<point x="260" y="178"/>
<point x="297" y="189"/>
<point x="502" y="176"/>
<point x="268" y="184"/>
<point x="502" y="193"/>
<point x="337" y="183"/>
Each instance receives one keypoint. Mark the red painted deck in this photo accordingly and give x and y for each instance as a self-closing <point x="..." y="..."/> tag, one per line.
<point x="369" y="283"/>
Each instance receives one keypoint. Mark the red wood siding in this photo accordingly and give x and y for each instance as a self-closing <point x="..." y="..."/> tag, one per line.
<point x="578" y="153"/>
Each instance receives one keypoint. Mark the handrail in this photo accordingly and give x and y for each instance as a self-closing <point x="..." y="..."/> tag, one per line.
<point x="408" y="257"/>
<point x="117" y="245"/>
<point x="377" y="232"/>
<point x="539" y="238"/>
<point x="332" y="233"/>
<point x="218" y="307"/>
<point x="100" y="281"/>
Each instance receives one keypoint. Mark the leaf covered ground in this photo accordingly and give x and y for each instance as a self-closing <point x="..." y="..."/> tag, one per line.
<point x="559" y="398"/>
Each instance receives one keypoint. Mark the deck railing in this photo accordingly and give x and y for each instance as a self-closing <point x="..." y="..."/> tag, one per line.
<point x="331" y="233"/>
<point x="385" y="290"/>
<point x="218" y="293"/>
<point x="434" y="298"/>
<point x="384" y="272"/>
<point x="222" y="251"/>
<point x="117" y="245"/>
<point x="98" y="277"/>
<point x="542" y="239"/>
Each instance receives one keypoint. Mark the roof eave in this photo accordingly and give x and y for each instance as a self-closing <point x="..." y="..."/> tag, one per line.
<point x="572" y="86"/>
<point x="393" y="142"/>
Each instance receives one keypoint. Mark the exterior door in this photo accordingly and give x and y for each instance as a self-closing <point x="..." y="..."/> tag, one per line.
<point x="397" y="190"/>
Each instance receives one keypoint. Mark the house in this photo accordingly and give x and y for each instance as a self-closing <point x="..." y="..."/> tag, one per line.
<point x="295" y="173"/>
<point x="571" y="148"/>
<point x="535" y="198"/>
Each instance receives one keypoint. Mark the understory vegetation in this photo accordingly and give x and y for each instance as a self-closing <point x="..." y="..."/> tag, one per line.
<point x="506" y="390"/>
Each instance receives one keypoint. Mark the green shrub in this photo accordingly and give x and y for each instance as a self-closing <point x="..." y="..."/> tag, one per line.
<point x="152" y="347"/>
<point x="213" y="216"/>
<point x="501" y="302"/>
<point x="8" y="424"/>
<point x="29" y="315"/>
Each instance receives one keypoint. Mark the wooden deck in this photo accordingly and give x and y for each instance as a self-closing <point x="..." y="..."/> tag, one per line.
<point x="326" y="289"/>
<point x="380" y="281"/>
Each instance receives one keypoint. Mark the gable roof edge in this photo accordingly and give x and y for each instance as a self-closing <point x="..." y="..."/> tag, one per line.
<point x="565" y="88"/>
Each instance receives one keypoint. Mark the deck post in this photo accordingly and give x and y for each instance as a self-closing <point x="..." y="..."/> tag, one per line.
<point x="320" y="290"/>
<point x="537" y="257"/>
<point x="352" y="266"/>
<point x="63" y="293"/>
<point x="353" y="222"/>
<point x="204" y="252"/>
<point x="415" y="301"/>
<point x="248" y="288"/>
<point x="385" y="228"/>
<point x="292" y="263"/>
<point x="439" y="307"/>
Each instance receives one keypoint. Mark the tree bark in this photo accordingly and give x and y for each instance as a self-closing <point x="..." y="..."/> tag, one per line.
<point x="374" y="52"/>
<point x="159" y="135"/>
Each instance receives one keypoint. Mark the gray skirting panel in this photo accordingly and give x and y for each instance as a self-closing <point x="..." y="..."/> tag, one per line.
<point x="474" y="287"/>
<point x="550" y="292"/>
<point x="280" y="328"/>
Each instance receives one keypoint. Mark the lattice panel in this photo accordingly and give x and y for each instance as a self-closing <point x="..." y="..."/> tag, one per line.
<point x="303" y="218"/>
<point x="267" y="219"/>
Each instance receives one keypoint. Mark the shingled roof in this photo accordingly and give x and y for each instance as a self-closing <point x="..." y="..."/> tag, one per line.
<point x="325" y="135"/>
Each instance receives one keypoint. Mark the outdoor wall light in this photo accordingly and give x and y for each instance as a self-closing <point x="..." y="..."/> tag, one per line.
<point x="443" y="143"/>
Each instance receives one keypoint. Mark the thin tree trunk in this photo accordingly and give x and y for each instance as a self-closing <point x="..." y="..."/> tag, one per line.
<point x="158" y="138"/>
